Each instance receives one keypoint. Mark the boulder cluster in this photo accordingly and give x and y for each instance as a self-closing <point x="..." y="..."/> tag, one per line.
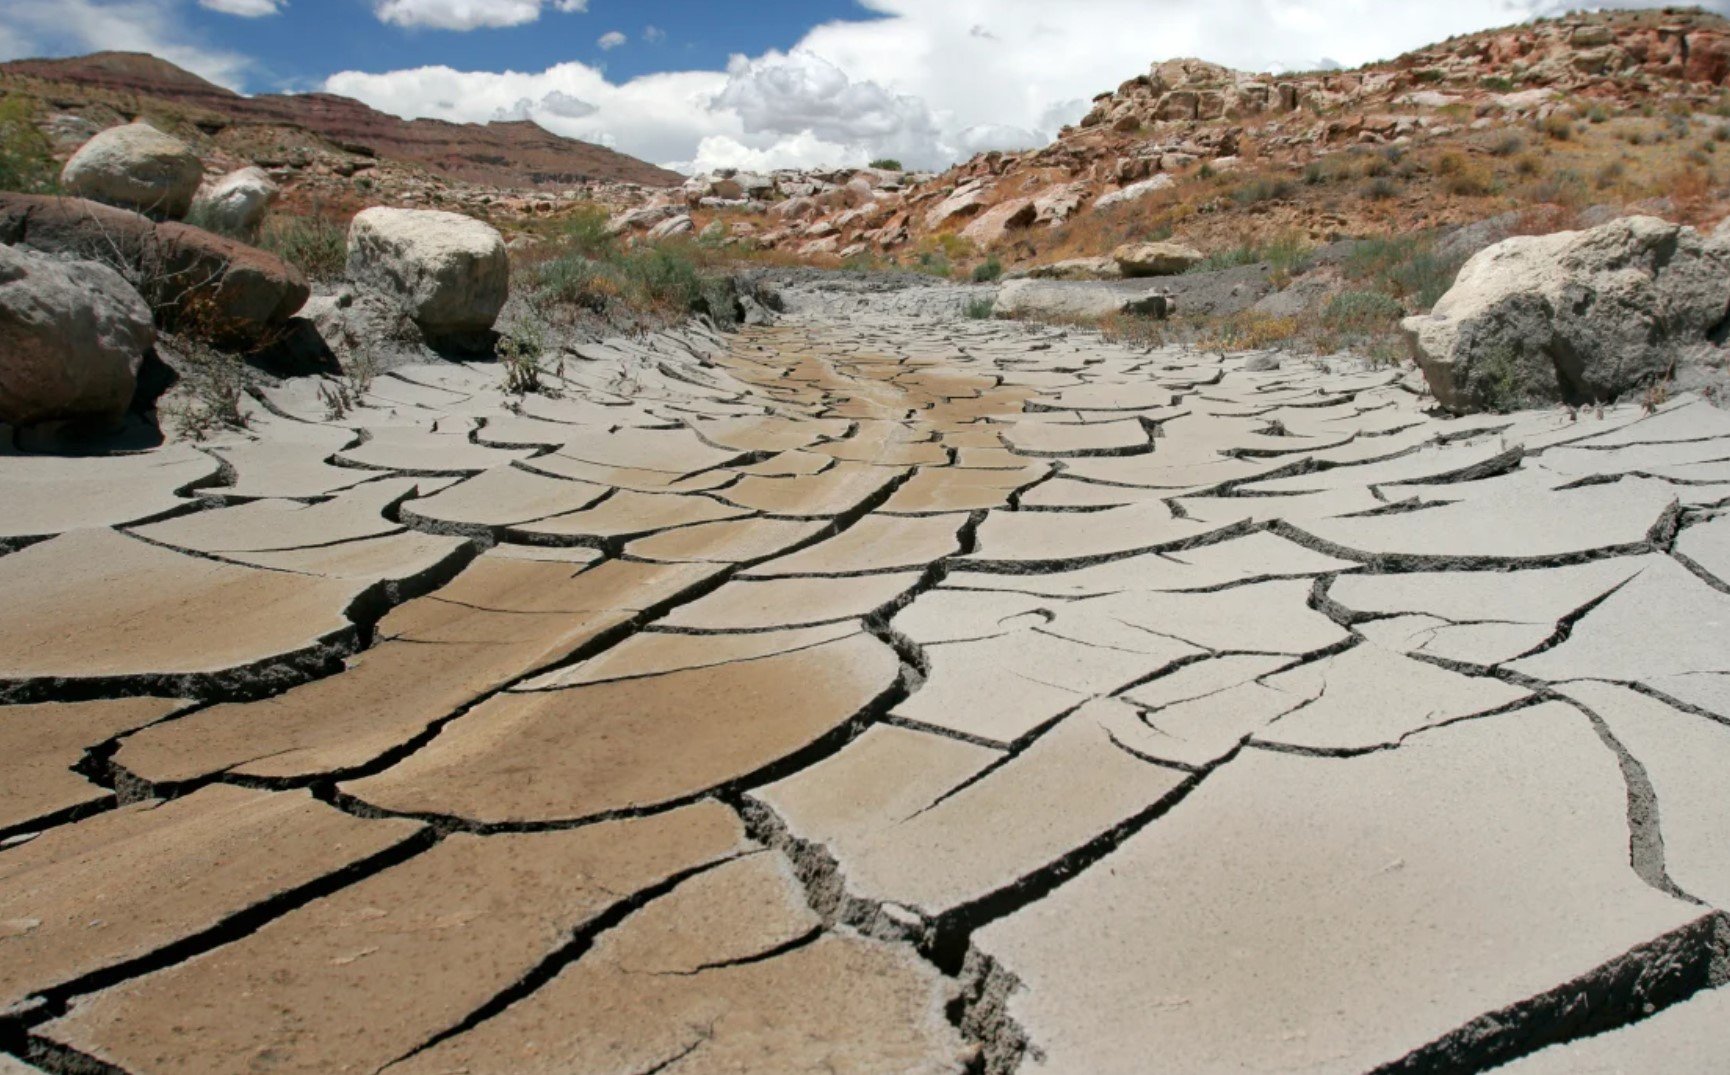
<point x="1185" y="116"/>
<point x="86" y="282"/>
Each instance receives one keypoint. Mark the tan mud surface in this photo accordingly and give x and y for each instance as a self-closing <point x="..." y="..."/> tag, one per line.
<point x="869" y="694"/>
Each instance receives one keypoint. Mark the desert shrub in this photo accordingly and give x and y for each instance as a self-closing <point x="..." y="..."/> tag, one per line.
<point x="933" y="263"/>
<point x="342" y="394"/>
<point x="1250" y="330"/>
<point x="315" y="244"/>
<point x="888" y="164"/>
<point x="583" y="231"/>
<point x="1529" y="164"/>
<point x="1263" y="189"/>
<point x="1284" y="253"/>
<point x="1558" y="126"/>
<point x="1498" y="381"/>
<point x="1381" y="188"/>
<point x="1597" y="114"/>
<point x="1132" y="330"/>
<point x="26" y="159"/>
<point x="586" y="271"/>
<point x="1376" y="165"/>
<point x="980" y="309"/>
<point x="1404" y="267"/>
<point x="522" y="354"/>
<point x="955" y="247"/>
<point x="1497" y="84"/>
<point x="988" y="270"/>
<point x="664" y="275"/>
<point x="1507" y="144"/>
<point x="1564" y="187"/>
<point x="213" y="383"/>
<point x="1611" y="174"/>
<point x="1365" y="312"/>
<point x="1471" y="181"/>
<point x="1315" y="174"/>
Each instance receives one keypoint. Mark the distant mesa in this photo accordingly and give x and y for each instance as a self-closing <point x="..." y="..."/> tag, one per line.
<point x="516" y="153"/>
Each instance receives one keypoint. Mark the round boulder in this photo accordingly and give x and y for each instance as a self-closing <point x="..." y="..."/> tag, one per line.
<point x="72" y="336"/>
<point x="235" y="204"/>
<point x="136" y="167"/>
<point x="1155" y="259"/>
<point x="448" y="272"/>
<point x="1578" y="317"/>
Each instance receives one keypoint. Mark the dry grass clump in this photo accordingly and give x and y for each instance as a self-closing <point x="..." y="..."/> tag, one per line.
<point x="1248" y="330"/>
<point x="315" y="243"/>
<point x="1464" y="177"/>
<point x="582" y="268"/>
<point x="26" y="159"/>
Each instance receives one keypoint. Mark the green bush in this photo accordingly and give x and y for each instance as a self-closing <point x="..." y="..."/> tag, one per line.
<point x="1381" y="188"/>
<point x="932" y="263"/>
<point x="981" y="309"/>
<point x="1364" y="312"/>
<point x="1261" y="190"/>
<point x="888" y="164"/>
<point x="1285" y="254"/>
<point x="26" y="159"/>
<point x="666" y="278"/>
<point x="1405" y="267"/>
<point x="584" y="232"/>
<point x="988" y="270"/>
<point x="316" y="245"/>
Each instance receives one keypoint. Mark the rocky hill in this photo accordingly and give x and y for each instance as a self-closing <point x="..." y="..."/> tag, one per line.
<point x="1584" y="114"/>
<point x="107" y="87"/>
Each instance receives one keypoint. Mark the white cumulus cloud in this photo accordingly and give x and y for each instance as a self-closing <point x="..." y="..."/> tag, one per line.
<point x="467" y="14"/>
<point x="610" y="40"/>
<point x="246" y="9"/>
<point x="927" y="83"/>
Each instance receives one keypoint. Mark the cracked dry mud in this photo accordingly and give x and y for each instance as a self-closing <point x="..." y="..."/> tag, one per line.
<point x="869" y="694"/>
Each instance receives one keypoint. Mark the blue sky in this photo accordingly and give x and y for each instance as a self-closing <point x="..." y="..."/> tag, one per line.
<point x="309" y="39"/>
<point x="744" y="83"/>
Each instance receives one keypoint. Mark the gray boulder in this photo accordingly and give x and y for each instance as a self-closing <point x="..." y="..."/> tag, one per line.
<point x="1156" y="259"/>
<point x="449" y="273"/>
<point x="72" y="336"/>
<point x="235" y="204"/>
<point x="644" y="217"/>
<point x="194" y="280"/>
<point x="674" y="226"/>
<point x="1063" y="300"/>
<point x="137" y="167"/>
<point x="1580" y="316"/>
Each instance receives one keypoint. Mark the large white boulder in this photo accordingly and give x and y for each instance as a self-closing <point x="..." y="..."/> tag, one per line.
<point x="1134" y="192"/>
<point x="1577" y="316"/>
<point x="72" y="336"/>
<point x="1156" y="259"/>
<point x="673" y="227"/>
<point x="235" y="204"/>
<point x="135" y="167"/>
<point x="449" y="273"/>
<point x="1066" y="300"/>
